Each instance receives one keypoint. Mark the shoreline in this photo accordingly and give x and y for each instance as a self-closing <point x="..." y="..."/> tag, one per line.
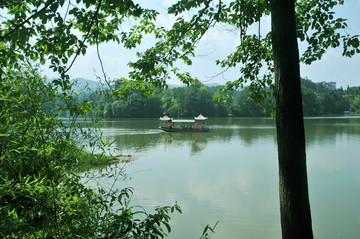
<point x="92" y="161"/>
<point x="124" y="159"/>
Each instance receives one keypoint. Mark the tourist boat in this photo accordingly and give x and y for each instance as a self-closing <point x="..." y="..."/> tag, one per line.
<point x="184" y="125"/>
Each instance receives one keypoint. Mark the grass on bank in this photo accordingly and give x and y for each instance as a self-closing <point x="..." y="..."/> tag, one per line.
<point x="86" y="160"/>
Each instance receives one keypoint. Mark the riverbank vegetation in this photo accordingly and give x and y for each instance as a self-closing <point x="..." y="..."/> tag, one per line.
<point x="41" y="159"/>
<point x="190" y="101"/>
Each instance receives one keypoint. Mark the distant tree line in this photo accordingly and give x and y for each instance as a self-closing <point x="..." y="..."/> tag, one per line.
<point x="190" y="101"/>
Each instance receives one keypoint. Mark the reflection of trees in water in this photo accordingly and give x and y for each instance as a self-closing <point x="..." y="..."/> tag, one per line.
<point x="254" y="135"/>
<point x="131" y="123"/>
<point x="249" y="130"/>
<point x="198" y="144"/>
<point x="325" y="129"/>
<point x="132" y="143"/>
<point x="197" y="141"/>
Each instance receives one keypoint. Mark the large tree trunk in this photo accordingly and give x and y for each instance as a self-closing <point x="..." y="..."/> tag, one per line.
<point x="294" y="199"/>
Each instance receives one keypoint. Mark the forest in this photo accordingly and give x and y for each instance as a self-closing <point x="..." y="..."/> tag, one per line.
<point x="317" y="99"/>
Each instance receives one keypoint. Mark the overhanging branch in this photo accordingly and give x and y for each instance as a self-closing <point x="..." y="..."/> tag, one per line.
<point x="27" y="20"/>
<point x="85" y="38"/>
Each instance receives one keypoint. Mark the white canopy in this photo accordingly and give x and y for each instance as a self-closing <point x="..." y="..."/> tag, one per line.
<point x="200" y="117"/>
<point x="165" y="118"/>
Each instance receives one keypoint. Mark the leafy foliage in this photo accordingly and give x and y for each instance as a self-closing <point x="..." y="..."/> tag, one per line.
<point x="317" y="27"/>
<point x="42" y="194"/>
<point x="323" y="30"/>
<point x="48" y="30"/>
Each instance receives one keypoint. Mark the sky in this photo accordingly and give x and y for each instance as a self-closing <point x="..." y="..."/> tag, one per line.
<point x="217" y="44"/>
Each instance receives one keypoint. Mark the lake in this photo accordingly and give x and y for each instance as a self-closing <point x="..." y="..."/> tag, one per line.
<point x="230" y="175"/>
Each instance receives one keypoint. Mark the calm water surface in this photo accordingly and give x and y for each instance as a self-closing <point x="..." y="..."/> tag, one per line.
<point x="230" y="175"/>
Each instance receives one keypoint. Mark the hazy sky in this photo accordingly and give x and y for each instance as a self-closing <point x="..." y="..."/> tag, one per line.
<point x="217" y="44"/>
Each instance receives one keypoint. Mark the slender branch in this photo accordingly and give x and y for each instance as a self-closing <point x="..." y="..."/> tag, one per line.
<point x="210" y="78"/>
<point x="259" y="35"/>
<point x="67" y="10"/>
<point x="259" y="27"/>
<point x="241" y="40"/>
<point x="27" y="20"/>
<point x="98" y="54"/>
<point x="202" y="34"/>
<point x="85" y="38"/>
<point x="102" y="65"/>
<point x="189" y="28"/>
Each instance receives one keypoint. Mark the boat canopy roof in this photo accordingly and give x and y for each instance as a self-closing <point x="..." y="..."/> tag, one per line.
<point x="166" y="118"/>
<point x="183" y="121"/>
<point x="200" y="117"/>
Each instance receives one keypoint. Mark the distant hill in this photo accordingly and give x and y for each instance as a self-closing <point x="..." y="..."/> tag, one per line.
<point x="81" y="83"/>
<point x="212" y="84"/>
<point x="183" y="85"/>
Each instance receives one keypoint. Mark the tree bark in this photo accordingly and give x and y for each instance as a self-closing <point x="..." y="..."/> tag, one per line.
<point x="293" y="186"/>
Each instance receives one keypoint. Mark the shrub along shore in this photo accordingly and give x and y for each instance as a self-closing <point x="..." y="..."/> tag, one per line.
<point x="43" y="164"/>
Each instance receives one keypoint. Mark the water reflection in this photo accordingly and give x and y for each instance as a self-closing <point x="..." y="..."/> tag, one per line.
<point x="197" y="141"/>
<point x="318" y="133"/>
